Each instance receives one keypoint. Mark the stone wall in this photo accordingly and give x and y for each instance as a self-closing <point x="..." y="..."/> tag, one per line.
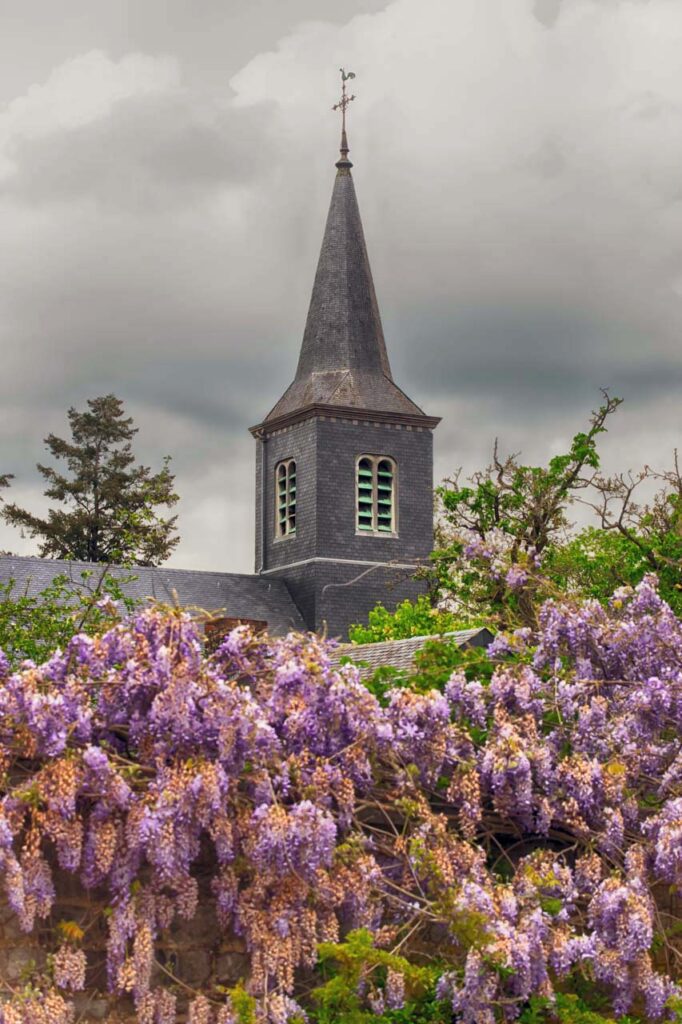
<point x="195" y="952"/>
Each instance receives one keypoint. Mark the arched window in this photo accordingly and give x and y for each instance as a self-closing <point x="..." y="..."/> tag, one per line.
<point x="376" y="476"/>
<point x="285" y="477"/>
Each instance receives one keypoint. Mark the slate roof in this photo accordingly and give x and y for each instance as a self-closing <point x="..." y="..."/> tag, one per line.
<point x="400" y="654"/>
<point x="238" y="595"/>
<point x="343" y="360"/>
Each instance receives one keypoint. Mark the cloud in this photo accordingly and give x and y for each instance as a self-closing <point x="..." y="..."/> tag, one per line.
<point x="78" y="93"/>
<point x="517" y="166"/>
<point x="547" y="11"/>
<point x="125" y="133"/>
<point x="511" y="177"/>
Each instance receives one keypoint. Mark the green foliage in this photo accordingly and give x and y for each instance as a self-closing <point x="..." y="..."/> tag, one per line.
<point x="505" y="543"/>
<point x="357" y="962"/>
<point x="243" y="1005"/>
<point x="433" y="666"/>
<point x="418" y="618"/>
<point x="438" y="659"/>
<point x="527" y="503"/>
<point x="594" y="563"/>
<point x="567" y="1009"/>
<point x="34" y="626"/>
<point x="660" y="542"/>
<point x="504" y="519"/>
<point x="106" y="504"/>
<point x="564" y="1010"/>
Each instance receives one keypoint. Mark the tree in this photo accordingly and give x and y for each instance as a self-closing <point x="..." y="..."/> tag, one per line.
<point x="495" y="530"/>
<point x="651" y="529"/>
<point x="5" y="482"/>
<point x="634" y="537"/>
<point x="594" y="563"/>
<point x="109" y="502"/>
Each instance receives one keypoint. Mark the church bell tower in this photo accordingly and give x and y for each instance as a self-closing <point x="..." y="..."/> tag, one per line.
<point x="344" y="465"/>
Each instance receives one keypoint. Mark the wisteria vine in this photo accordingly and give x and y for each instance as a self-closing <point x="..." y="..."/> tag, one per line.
<point x="513" y="834"/>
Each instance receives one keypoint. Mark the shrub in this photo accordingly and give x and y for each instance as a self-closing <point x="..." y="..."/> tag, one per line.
<point x="32" y="626"/>
<point x="418" y="618"/>
<point x="492" y="852"/>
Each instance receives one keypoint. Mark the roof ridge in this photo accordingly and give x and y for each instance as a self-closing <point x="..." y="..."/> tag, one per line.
<point x="129" y="568"/>
<point x="346" y="375"/>
<point x="421" y="636"/>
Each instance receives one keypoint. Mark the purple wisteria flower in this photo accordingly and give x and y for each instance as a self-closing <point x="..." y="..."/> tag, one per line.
<point x="529" y="821"/>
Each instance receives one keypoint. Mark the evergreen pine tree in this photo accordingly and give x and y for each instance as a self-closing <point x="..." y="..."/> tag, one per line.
<point x="108" y="503"/>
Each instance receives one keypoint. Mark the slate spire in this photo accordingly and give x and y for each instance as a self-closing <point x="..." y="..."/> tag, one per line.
<point x="343" y="329"/>
<point x="343" y="360"/>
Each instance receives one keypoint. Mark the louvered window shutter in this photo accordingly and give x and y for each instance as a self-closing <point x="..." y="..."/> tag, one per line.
<point x="375" y="505"/>
<point x="285" y="475"/>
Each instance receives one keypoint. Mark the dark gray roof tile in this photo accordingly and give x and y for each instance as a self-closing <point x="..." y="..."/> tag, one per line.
<point x="234" y="594"/>
<point x="400" y="654"/>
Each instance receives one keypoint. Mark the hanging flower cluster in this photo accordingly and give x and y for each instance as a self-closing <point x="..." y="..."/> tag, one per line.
<point x="525" y="826"/>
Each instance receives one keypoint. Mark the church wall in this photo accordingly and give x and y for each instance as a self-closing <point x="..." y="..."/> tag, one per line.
<point x="339" y="444"/>
<point x="298" y="442"/>
<point x="326" y="450"/>
<point x="331" y="597"/>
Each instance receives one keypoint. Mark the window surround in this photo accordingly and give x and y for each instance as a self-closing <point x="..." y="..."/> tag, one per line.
<point x="285" y="499"/>
<point x="376" y="507"/>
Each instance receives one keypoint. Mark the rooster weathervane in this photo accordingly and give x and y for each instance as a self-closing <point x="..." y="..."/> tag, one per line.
<point x="345" y="98"/>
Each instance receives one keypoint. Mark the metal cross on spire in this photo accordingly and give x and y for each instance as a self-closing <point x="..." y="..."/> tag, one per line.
<point x="341" y="105"/>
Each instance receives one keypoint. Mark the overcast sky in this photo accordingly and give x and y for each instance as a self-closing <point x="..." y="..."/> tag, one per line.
<point x="165" y="171"/>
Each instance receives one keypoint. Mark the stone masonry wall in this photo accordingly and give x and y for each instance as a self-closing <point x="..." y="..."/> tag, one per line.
<point x="195" y="952"/>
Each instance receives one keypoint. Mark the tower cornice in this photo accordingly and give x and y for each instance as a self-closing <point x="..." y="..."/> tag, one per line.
<point x="340" y="412"/>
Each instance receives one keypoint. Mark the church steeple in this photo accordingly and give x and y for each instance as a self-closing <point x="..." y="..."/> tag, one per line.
<point x="343" y="330"/>
<point x="343" y="360"/>
<point x="344" y="461"/>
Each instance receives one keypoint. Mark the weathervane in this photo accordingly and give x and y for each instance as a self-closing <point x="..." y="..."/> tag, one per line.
<point x="344" y="163"/>
<point x="345" y="99"/>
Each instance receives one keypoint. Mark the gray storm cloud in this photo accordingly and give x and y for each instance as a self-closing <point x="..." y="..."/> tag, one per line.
<point x="163" y="194"/>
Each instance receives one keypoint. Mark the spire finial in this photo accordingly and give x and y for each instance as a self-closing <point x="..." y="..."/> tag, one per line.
<point x="344" y="165"/>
